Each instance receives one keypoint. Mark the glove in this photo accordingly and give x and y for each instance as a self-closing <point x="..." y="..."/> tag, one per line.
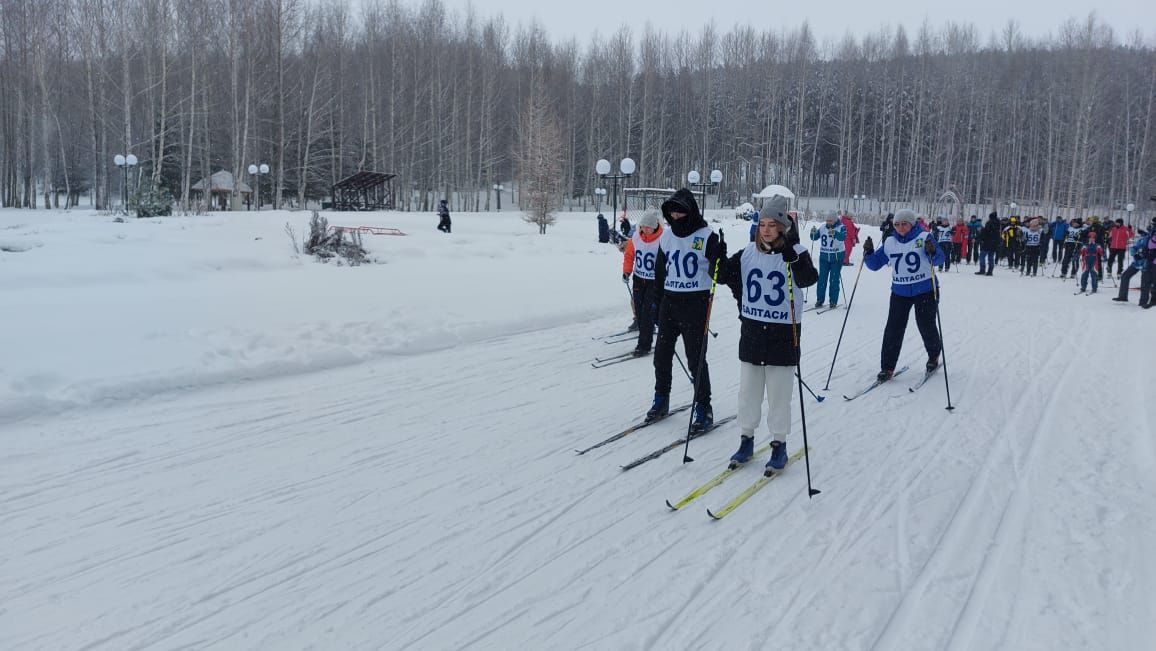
<point x="790" y="255"/>
<point x="625" y="277"/>
<point x="868" y="246"/>
<point x="717" y="250"/>
<point x="929" y="248"/>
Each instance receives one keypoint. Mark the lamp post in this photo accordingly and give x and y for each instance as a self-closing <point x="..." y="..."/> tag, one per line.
<point x="599" y="197"/>
<point x="695" y="180"/>
<point x="1013" y="205"/>
<point x="626" y="167"/>
<point x="256" y="171"/>
<point x="124" y="162"/>
<point x="1129" y="208"/>
<point x="498" y="191"/>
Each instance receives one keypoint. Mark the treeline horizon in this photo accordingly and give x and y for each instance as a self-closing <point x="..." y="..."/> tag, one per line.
<point x="442" y="99"/>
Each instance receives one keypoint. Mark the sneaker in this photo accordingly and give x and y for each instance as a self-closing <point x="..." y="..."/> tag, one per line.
<point x="746" y="451"/>
<point x="818" y="305"/>
<point x="703" y="418"/>
<point x="660" y="408"/>
<point x="778" y="459"/>
<point x="640" y="352"/>
<point x="1120" y="300"/>
<point x="633" y="327"/>
<point x="834" y="305"/>
<point x="885" y="375"/>
<point x="988" y="273"/>
<point x="932" y="363"/>
<point x="980" y="272"/>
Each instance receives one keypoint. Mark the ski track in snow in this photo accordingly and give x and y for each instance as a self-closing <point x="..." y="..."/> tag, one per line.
<point x="435" y="501"/>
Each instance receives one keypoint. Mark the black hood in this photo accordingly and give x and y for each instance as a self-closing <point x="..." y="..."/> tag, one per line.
<point x="683" y="201"/>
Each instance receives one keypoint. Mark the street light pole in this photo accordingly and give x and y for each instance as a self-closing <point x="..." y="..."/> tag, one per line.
<point x="626" y="168"/>
<point x="498" y="190"/>
<point x="124" y="162"/>
<point x="1129" y="208"/>
<point x="693" y="178"/>
<point x="599" y="193"/>
<point x="255" y="171"/>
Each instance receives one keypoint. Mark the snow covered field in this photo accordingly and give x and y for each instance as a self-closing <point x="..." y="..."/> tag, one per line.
<point x="209" y="442"/>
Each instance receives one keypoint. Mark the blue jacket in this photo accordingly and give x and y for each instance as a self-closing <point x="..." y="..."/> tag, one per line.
<point x="1059" y="230"/>
<point x="878" y="260"/>
<point x="1140" y="253"/>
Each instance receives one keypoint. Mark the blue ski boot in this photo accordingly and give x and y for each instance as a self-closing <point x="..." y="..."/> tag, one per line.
<point x="660" y="408"/>
<point x="778" y="456"/>
<point x="746" y="451"/>
<point x="703" y="418"/>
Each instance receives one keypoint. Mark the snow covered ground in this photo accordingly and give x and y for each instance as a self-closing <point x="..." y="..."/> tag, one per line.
<point x="209" y="442"/>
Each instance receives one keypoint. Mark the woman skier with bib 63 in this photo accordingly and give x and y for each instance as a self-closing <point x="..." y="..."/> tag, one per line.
<point x="910" y="252"/>
<point x="763" y="277"/>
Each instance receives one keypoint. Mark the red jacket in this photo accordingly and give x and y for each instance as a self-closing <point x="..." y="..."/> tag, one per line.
<point x="959" y="233"/>
<point x="852" y="232"/>
<point x="1118" y="237"/>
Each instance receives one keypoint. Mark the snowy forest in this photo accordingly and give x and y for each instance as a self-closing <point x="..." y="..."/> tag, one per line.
<point x="320" y="90"/>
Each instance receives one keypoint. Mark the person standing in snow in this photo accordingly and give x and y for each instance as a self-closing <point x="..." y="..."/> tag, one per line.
<point x="1059" y="232"/>
<point x="763" y="277"/>
<point x="638" y="260"/>
<point x="1073" y="237"/>
<point x="603" y="229"/>
<point x="830" y="238"/>
<point x="1118" y="236"/>
<point x="851" y="239"/>
<point x="1139" y="265"/>
<point x="1032" y="236"/>
<point x="959" y="242"/>
<point x="887" y="227"/>
<point x="444" y="222"/>
<point x="910" y="253"/>
<point x="1090" y="255"/>
<point x="974" y="226"/>
<point x="989" y="239"/>
<point x="943" y="237"/>
<point x="625" y="227"/>
<point x="687" y="255"/>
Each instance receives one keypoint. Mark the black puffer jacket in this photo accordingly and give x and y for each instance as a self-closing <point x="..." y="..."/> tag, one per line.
<point x="762" y="343"/>
<point x="683" y="201"/>
<point x="989" y="235"/>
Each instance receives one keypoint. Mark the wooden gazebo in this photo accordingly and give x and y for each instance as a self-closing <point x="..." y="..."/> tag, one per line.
<point x="364" y="191"/>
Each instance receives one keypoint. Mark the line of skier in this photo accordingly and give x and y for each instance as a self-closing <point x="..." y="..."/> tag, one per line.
<point x="674" y="272"/>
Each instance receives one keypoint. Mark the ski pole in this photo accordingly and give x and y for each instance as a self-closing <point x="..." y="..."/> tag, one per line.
<point x="862" y="259"/>
<point x="702" y="356"/>
<point x="939" y="324"/>
<point x="816" y="397"/>
<point x="811" y="491"/>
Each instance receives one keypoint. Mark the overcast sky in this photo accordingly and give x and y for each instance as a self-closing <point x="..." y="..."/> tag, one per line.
<point x="829" y="19"/>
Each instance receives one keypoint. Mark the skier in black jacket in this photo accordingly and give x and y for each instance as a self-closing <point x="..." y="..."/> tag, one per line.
<point x="763" y="277"/>
<point x="444" y="223"/>
<point x="687" y="256"/>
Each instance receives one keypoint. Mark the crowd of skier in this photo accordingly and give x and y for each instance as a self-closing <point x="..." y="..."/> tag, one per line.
<point x="672" y="270"/>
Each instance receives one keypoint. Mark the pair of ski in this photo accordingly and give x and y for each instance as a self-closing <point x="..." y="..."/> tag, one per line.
<point x="820" y="309"/>
<point x="767" y="477"/>
<point x="615" y="335"/>
<point x="662" y="450"/>
<point x="870" y="387"/>
<point x="603" y="362"/>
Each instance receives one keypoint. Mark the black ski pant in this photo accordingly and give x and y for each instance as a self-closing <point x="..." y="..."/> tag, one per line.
<point x="948" y="254"/>
<point x="973" y="250"/>
<point x="1126" y="280"/>
<point x="1069" y="259"/>
<point x="682" y="315"/>
<point x="1146" y="278"/>
<point x="897" y="318"/>
<point x="1057" y="250"/>
<point x="1118" y="256"/>
<point x="645" y="294"/>
<point x="1031" y="263"/>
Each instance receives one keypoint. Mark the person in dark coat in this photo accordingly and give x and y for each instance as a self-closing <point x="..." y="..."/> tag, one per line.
<point x="766" y="278"/>
<point x="603" y="229"/>
<point x="444" y="223"/>
<point x="687" y="256"/>
<point x="989" y="243"/>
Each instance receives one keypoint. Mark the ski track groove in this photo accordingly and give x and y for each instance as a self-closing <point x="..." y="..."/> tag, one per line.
<point x="953" y="534"/>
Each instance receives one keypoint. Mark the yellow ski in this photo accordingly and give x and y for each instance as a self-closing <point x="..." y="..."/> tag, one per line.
<point x="753" y="488"/>
<point x="715" y="481"/>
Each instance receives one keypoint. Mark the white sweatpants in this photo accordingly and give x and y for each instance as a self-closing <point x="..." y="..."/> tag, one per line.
<point x="778" y="382"/>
